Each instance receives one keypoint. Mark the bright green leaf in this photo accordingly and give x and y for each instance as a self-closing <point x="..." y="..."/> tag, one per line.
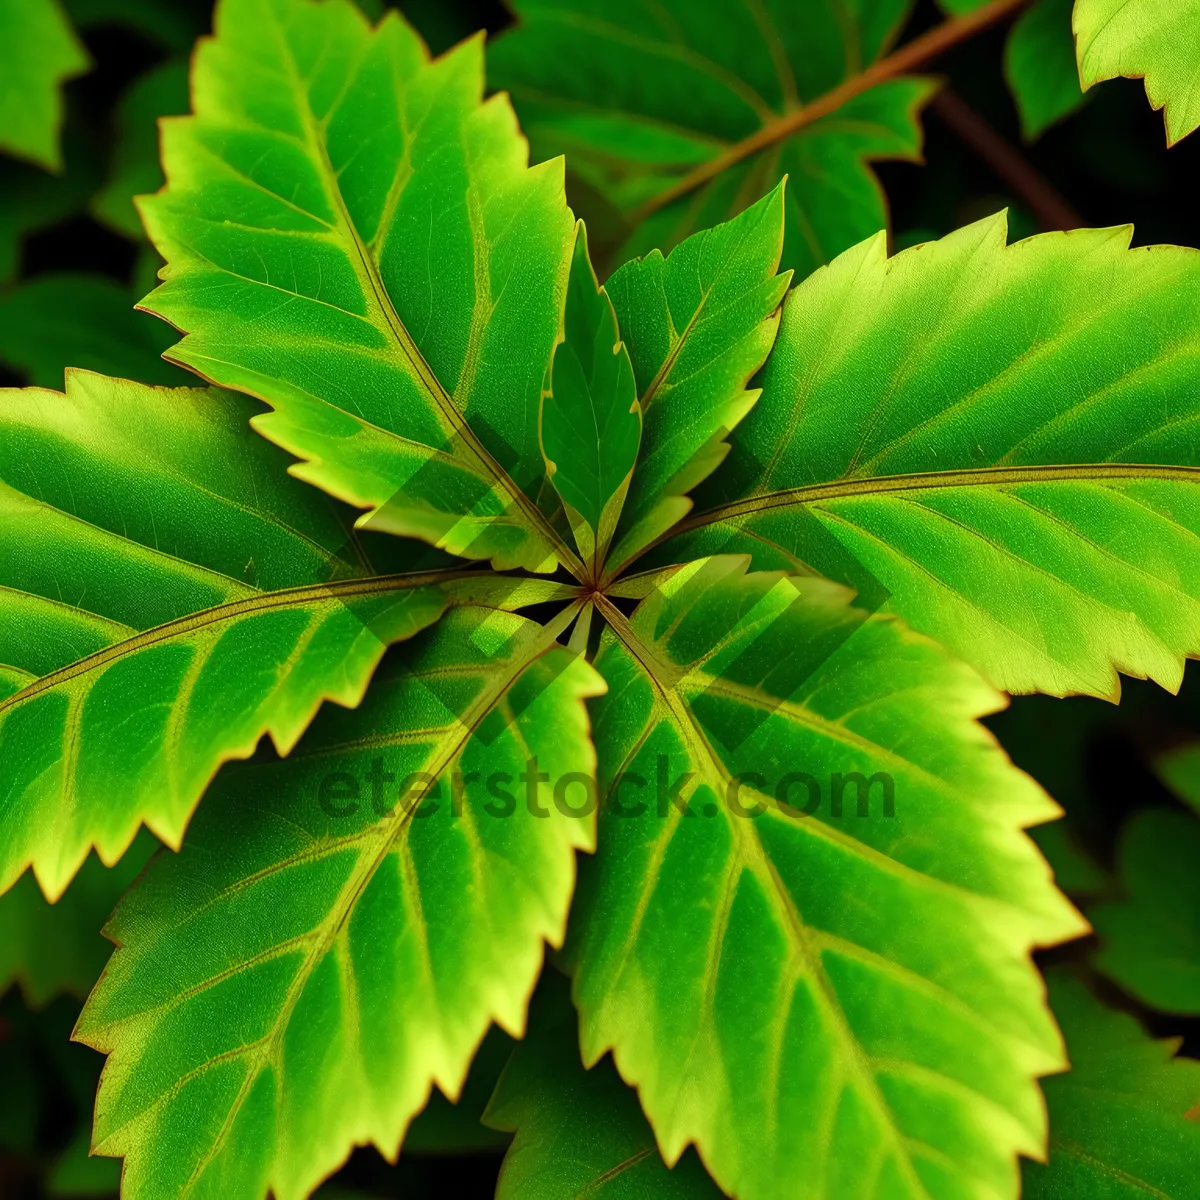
<point x="579" y="1133"/>
<point x="71" y="320"/>
<point x="1039" y="64"/>
<point x="591" y="419"/>
<point x="294" y="981"/>
<point x="53" y="948"/>
<point x="638" y="96"/>
<point x="168" y="596"/>
<point x="135" y="170"/>
<point x="999" y="441"/>
<point x="445" y="1127"/>
<point x="40" y="52"/>
<point x="1152" y="39"/>
<point x="698" y="323"/>
<point x="392" y="284"/>
<point x="1150" y="939"/>
<point x="824" y="968"/>
<point x="1118" y="1129"/>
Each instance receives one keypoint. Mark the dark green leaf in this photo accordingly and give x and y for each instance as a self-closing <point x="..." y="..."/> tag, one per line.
<point x="58" y="321"/>
<point x="1118" y="1129"/>
<point x="1150" y="938"/>
<point x="638" y="95"/>
<point x="579" y="1133"/>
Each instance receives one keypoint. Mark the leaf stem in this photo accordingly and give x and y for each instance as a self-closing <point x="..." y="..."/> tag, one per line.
<point x="1039" y="195"/>
<point x="910" y="56"/>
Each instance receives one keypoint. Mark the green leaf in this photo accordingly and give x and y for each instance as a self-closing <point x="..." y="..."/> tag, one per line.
<point x="294" y="981"/>
<point x="1151" y="39"/>
<point x="1179" y="769"/>
<point x="834" y="982"/>
<point x="445" y="1127"/>
<point x="999" y="441"/>
<point x="579" y="1133"/>
<point x="54" y="948"/>
<point x="1150" y="938"/>
<point x="1117" y="1119"/>
<point x="135" y="170"/>
<point x="591" y="419"/>
<point x="639" y="96"/>
<point x="1039" y="64"/>
<point x="698" y="324"/>
<point x="41" y="52"/>
<point x="168" y="596"/>
<point x="53" y="322"/>
<point x="392" y="284"/>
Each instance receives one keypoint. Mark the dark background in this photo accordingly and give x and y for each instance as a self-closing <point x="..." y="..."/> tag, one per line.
<point x="1108" y="162"/>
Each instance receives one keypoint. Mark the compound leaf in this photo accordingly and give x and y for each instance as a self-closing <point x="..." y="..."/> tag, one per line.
<point x="998" y="441"/>
<point x="392" y="285"/>
<point x="639" y="95"/>
<point x="325" y="948"/>
<point x="1151" y="39"/>
<point x="168" y="595"/>
<point x="578" y="1133"/>
<point x="591" y="419"/>
<point x="40" y="53"/>
<point x="1150" y="938"/>
<point x="698" y="323"/>
<point x="1118" y="1129"/>
<point x="792" y="986"/>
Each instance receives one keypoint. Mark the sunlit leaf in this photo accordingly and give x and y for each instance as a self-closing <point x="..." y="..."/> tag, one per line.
<point x="591" y="420"/>
<point x="331" y="942"/>
<point x="998" y="441"/>
<point x="168" y="596"/>
<point x="1151" y="39"/>
<point x="392" y="283"/>
<point x="806" y="933"/>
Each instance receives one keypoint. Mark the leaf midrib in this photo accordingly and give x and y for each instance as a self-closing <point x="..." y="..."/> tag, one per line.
<point x="918" y="481"/>
<point x="369" y="278"/>
<point x="251" y="605"/>
<point x="391" y="831"/>
<point x="708" y="761"/>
